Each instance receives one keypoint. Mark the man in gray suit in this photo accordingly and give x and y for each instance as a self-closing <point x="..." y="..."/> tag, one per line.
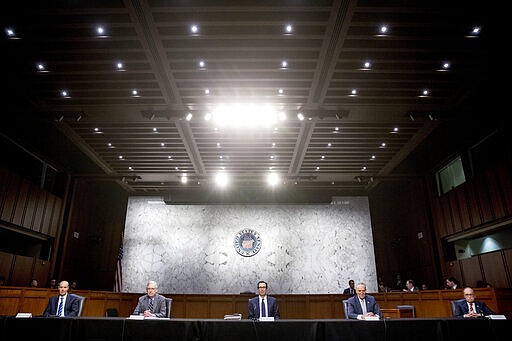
<point x="152" y="304"/>
<point x="361" y="305"/>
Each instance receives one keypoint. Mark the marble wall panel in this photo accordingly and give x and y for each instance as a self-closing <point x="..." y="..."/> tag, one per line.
<point x="304" y="248"/>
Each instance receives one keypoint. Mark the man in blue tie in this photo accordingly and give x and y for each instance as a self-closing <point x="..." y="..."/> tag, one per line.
<point x="64" y="304"/>
<point x="263" y="305"/>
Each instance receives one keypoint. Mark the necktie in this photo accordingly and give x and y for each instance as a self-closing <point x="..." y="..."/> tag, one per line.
<point x="61" y="306"/>
<point x="363" y="305"/>
<point x="263" y="309"/>
<point x="150" y="305"/>
<point x="471" y="308"/>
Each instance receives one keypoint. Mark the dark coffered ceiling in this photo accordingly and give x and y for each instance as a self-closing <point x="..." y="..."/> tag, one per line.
<point x="147" y="139"/>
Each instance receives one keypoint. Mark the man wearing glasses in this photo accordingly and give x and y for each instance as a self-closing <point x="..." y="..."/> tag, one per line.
<point x="469" y="308"/>
<point x="151" y="304"/>
<point x="263" y="305"/>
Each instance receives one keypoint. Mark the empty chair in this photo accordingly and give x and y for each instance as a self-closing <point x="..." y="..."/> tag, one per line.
<point x="345" y="308"/>
<point x="111" y="312"/>
<point x="81" y="306"/>
<point x="168" y="306"/>
<point x="406" y="310"/>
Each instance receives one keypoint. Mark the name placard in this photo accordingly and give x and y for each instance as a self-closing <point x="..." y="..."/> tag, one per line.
<point x="23" y="315"/>
<point x="267" y="318"/>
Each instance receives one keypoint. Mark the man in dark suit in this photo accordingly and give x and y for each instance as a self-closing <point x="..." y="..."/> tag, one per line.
<point x="469" y="308"/>
<point x="362" y="305"/>
<point x="350" y="290"/>
<point x="151" y="304"/>
<point x="64" y="304"/>
<point x="410" y="287"/>
<point x="263" y="305"/>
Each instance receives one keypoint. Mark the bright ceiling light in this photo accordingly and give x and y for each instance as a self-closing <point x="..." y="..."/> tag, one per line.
<point x="184" y="179"/>
<point x="221" y="179"/>
<point x="248" y="115"/>
<point x="273" y="179"/>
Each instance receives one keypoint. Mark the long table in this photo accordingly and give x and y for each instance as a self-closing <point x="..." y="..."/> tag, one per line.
<point x="112" y="329"/>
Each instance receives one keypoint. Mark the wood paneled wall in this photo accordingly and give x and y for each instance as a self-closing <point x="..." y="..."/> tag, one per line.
<point x="480" y="202"/>
<point x="93" y="234"/>
<point x="429" y="303"/>
<point x="24" y="204"/>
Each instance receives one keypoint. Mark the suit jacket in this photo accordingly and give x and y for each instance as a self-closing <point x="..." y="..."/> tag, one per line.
<point x="347" y="291"/>
<point x="254" y="308"/>
<point x="354" y="307"/>
<point x="158" y="305"/>
<point x="71" y="307"/>
<point x="461" y="308"/>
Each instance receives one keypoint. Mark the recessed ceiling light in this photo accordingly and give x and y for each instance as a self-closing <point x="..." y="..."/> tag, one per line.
<point x="288" y="29"/>
<point x="367" y="65"/>
<point x="353" y="93"/>
<point x="64" y="94"/>
<point x="189" y="116"/>
<point x="445" y="66"/>
<point x="40" y="67"/>
<point x="474" y="32"/>
<point x="202" y="64"/>
<point x="194" y="29"/>
<point x="425" y="93"/>
<point x="120" y="67"/>
<point x="284" y="64"/>
<point x="383" y="31"/>
<point x="206" y="91"/>
<point x="101" y="32"/>
<point x="11" y="34"/>
<point x="135" y="93"/>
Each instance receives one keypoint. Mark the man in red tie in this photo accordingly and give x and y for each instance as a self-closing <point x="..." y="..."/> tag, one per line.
<point x="469" y="308"/>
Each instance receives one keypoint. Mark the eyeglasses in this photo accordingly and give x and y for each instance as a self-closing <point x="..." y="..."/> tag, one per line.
<point x="150" y="288"/>
<point x="262" y="287"/>
<point x="469" y="294"/>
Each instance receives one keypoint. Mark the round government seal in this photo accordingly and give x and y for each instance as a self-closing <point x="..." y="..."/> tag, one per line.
<point x="247" y="242"/>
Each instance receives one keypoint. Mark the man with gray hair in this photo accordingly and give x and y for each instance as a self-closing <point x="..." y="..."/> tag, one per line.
<point x="152" y="304"/>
